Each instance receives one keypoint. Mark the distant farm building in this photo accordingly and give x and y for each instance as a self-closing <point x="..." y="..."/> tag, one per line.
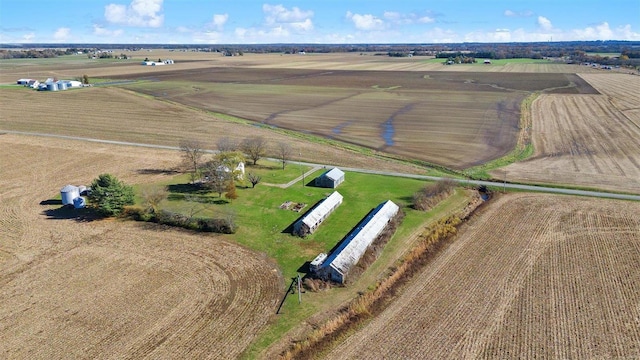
<point x="147" y="62"/>
<point x="310" y="222"/>
<point x="487" y="61"/>
<point x="32" y="83"/>
<point x="336" y="265"/>
<point x="330" y="179"/>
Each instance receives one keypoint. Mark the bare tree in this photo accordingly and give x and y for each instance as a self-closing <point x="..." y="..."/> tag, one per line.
<point x="217" y="176"/>
<point x="284" y="152"/>
<point x="254" y="147"/>
<point x="192" y="152"/>
<point x="254" y="179"/>
<point x="226" y="144"/>
<point x="153" y="197"/>
<point x="232" y="159"/>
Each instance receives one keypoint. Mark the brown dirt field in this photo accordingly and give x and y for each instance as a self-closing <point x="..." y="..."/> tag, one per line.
<point x="396" y="106"/>
<point x="121" y="115"/>
<point x="12" y="70"/>
<point x="116" y="289"/>
<point x="586" y="140"/>
<point x="453" y="119"/>
<point x="532" y="276"/>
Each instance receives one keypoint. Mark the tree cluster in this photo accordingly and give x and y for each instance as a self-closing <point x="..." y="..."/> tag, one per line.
<point x="109" y="195"/>
<point x="430" y="195"/>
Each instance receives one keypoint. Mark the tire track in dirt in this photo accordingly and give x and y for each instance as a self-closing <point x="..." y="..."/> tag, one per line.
<point x="528" y="278"/>
<point x="112" y="289"/>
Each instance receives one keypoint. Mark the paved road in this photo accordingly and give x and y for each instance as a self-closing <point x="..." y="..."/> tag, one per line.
<point x="545" y="189"/>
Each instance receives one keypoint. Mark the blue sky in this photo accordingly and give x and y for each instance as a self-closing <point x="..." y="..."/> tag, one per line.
<point x="315" y="21"/>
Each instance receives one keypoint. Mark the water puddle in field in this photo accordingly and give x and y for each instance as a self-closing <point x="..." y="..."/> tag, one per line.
<point x="388" y="130"/>
<point x="338" y="129"/>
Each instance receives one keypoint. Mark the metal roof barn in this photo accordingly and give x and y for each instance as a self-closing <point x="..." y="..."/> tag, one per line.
<point x="336" y="266"/>
<point x="330" y="179"/>
<point x="310" y="222"/>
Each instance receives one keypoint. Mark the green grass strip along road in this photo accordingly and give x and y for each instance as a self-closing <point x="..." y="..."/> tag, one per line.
<point x="494" y="184"/>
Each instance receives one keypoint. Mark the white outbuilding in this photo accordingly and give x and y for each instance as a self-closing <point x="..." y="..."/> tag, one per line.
<point x="330" y="179"/>
<point x="336" y="265"/>
<point x="312" y="219"/>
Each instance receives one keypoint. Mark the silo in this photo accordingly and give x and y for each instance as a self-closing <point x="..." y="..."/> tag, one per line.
<point x="62" y="85"/>
<point x="79" y="202"/>
<point x="68" y="193"/>
<point x="52" y="86"/>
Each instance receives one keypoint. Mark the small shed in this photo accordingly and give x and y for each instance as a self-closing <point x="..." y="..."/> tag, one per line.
<point x="487" y="61"/>
<point x="330" y="179"/>
<point x="68" y="194"/>
<point x="24" y="82"/>
<point x="312" y="219"/>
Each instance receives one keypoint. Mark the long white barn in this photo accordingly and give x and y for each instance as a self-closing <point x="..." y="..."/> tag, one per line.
<point x="310" y="222"/>
<point x="336" y="265"/>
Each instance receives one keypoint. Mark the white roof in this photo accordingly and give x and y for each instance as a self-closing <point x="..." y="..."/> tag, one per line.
<point x="356" y="243"/>
<point x="334" y="174"/>
<point x="69" y="188"/>
<point x="325" y="207"/>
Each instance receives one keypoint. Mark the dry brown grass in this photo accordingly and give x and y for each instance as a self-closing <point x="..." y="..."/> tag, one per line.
<point x="114" y="289"/>
<point x="534" y="276"/>
<point x="586" y="140"/>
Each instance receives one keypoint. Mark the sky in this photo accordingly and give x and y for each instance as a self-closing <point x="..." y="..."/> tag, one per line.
<point x="315" y="21"/>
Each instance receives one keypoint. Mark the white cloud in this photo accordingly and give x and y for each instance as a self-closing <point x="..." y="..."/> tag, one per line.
<point x="142" y="13"/>
<point x="207" y="37"/>
<point x="280" y="21"/>
<point x="511" y="13"/>
<point x="28" y="37"/>
<point x="426" y="20"/>
<point x="219" y="20"/>
<point x="303" y="26"/>
<point x="544" y="23"/>
<point x="253" y="35"/>
<point x="366" y="22"/>
<point x="406" y="19"/>
<point x="100" y="31"/>
<point x="276" y="14"/>
<point x="62" y="34"/>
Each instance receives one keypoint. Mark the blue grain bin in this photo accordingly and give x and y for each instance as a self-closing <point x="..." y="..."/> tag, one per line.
<point x="52" y="86"/>
<point x="79" y="203"/>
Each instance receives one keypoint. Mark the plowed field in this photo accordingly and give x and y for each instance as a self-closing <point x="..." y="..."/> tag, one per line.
<point x="587" y="140"/>
<point x="114" y="289"/>
<point x="533" y="276"/>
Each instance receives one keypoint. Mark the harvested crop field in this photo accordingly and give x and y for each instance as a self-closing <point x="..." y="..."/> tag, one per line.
<point x="456" y="119"/>
<point x="531" y="276"/>
<point x="74" y="288"/>
<point x="586" y="140"/>
<point x="120" y="115"/>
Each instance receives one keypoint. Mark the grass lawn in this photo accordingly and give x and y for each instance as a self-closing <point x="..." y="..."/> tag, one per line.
<point x="265" y="227"/>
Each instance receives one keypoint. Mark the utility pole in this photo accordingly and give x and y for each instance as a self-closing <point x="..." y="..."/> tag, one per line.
<point x="299" y="294"/>
<point x="504" y="184"/>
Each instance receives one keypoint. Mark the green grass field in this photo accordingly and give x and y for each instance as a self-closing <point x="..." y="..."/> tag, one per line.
<point x="264" y="227"/>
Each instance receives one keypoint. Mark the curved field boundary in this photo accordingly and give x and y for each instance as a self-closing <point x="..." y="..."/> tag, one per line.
<point x="533" y="276"/>
<point x="586" y="140"/>
<point x="113" y="289"/>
